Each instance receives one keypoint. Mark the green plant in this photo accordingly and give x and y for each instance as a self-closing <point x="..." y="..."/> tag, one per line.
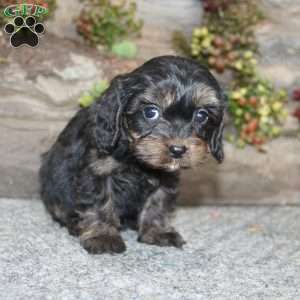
<point x="96" y="91"/>
<point x="257" y="111"/>
<point x="226" y="42"/>
<point x="124" y="49"/>
<point x="103" y="23"/>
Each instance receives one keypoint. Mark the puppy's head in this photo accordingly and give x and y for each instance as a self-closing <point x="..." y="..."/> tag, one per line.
<point x="168" y="113"/>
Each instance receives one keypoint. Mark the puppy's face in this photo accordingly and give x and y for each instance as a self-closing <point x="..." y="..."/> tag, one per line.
<point x="169" y="112"/>
<point x="170" y="124"/>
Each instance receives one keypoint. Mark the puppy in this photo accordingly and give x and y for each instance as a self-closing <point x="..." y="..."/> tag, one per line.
<point x="117" y="163"/>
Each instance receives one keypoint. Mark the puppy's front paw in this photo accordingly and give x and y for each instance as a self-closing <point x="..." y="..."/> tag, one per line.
<point x="104" y="243"/>
<point x="162" y="237"/>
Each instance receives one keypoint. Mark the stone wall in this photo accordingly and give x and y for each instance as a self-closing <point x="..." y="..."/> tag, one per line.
<point x="39" y="89"/>
<point x="161" y="19"/>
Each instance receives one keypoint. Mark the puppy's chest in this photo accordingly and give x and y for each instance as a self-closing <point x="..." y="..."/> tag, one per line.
<point x="127" y="180"/>
<point x="134" y="183"/>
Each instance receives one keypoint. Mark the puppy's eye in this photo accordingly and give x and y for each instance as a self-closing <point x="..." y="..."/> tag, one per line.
<point x="151" y="113"/>
<point x="201" y="116"/>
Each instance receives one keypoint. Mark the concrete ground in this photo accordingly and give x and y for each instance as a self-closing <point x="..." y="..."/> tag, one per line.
<point x="232" y="253"/>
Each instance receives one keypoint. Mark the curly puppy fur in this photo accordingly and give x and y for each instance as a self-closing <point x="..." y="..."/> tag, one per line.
<point x="117" y="163"/>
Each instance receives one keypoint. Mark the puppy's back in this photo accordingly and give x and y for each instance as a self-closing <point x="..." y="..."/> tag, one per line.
<point x="59" y="163"/>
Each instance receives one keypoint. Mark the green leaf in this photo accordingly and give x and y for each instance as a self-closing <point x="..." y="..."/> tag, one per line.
<point x="86" y="100"/>
<point x="99" y="88"/>
<point x="96" y="91"/>
<point x="125" y="49"/>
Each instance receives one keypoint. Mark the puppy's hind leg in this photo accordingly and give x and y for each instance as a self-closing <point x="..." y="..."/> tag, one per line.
<point x="154" y="227"/>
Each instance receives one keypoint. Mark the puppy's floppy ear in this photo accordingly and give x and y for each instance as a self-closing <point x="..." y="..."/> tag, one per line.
<point x="215" y="139"/>
<point x="216" y="135"/>
<point x="216" y="142"/>
<point x="107" y="115"/>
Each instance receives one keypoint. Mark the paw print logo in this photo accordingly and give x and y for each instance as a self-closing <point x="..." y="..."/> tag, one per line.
<point x="24" y="31"/>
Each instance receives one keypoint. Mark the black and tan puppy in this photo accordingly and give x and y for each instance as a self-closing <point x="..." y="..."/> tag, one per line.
<point x="117" y="163"/>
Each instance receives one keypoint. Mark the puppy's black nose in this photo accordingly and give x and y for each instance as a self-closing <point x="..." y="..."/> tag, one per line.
<point x="177" y="151"/>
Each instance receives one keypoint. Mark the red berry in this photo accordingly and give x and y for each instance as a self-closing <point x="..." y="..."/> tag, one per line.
<point x="297" y="113"/>
<point x="210" y="6"/>
<point x="220" y="65"/>
<point x="242" y="101"/>
<point x="252" y="126"/>
<point x="235" y="39"/>
<point x="231" y="56"/>
<point x="218" y="41"/>
<point x="296" y="94"/>
<point x="253" y="101"/>
<point x="257" y="141"/>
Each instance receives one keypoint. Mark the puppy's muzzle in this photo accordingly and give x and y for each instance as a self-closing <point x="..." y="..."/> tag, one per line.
<point x="177" y="151"/>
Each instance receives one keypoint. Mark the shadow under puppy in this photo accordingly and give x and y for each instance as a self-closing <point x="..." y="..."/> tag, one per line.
<point x="117" y="163"/>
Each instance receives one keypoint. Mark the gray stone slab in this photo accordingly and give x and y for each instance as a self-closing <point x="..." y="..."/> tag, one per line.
<point x="279" y="42"/>
<point x="231" y="253"/>
<point x="245" y="177"/>
<point x="21" y="145"/>
<point x="161" y="19"/>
